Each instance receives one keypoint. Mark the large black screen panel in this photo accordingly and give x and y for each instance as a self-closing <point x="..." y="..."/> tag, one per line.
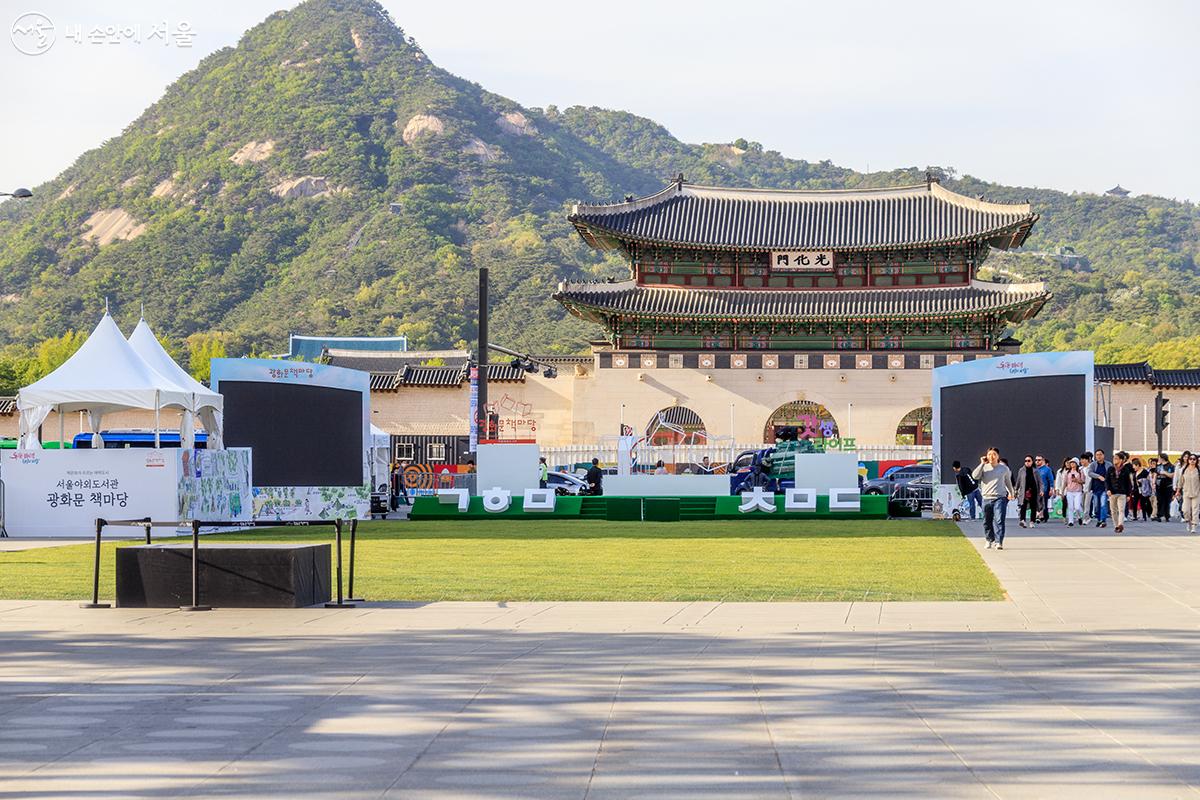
<point x="1045" y="414"/>
<point x="299" y="435"/>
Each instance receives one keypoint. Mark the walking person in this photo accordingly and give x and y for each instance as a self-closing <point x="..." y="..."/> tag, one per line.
<point x="1046" y="484"/>
<point x="1164" y="487"/>
<point x="543" y="473"/>
<point x="1119" y="483"/>
<point x="996" y="487"/>
<point x="1152" y="468"/>
<point x="1098" y="485"/>
<point x="1142" y="489"/>
<point x="1073" y="481"/>
<point x="1187" y="490"/>
<point x="1029" y="491"/>
<point x="1177" y="505"/>
<point x="1085" y="466"/>
<point x="967" y="487"/>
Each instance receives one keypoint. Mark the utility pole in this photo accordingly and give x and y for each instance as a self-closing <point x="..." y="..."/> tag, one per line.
<point x="481" y="413"/>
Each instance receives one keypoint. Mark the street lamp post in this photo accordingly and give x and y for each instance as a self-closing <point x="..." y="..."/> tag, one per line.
<point x="19" y="194"/>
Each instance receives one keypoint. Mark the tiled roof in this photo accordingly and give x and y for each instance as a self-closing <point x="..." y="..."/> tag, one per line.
<point x="1142" y="372"/>
<point x="383" y="381"/>
<point x="431" y="376"/>
<point x="1122" y="373"/>
<point x="453" y="376"/>
<point x="1176" y="378"/>
<point x="8" y="405"/>
<point x="688" y="215"/>
<point x="627" y="298"/>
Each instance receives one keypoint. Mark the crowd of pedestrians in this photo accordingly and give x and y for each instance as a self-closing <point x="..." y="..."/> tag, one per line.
<point x="1088" y="490"/>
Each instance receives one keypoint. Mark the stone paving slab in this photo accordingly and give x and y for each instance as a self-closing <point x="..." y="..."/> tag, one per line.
<point x="1084" y="682"/>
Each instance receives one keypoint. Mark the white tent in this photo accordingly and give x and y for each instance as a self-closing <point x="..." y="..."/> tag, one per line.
<point x="379" y="450"/>
<point x="206" y="404"/>
<point x="103" y="376"/>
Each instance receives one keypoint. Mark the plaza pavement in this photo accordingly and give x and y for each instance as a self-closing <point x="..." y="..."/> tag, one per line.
<point x="1085" y="682"/>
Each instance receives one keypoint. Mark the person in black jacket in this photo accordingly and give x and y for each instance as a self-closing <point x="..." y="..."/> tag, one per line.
<point x="1119" y="481"/>
<point x="1164" y="487"/>
<point x="967" y="487"/>
<point x="595" y="479"/>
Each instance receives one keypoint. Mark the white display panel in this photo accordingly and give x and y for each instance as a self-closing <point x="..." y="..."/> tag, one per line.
<point x="62" y="492"/>
<point x="513" y="467"/>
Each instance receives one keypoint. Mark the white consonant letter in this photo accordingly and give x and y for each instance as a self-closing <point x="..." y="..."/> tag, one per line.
<point x="758" y="498"/>
<point x="460" y="496"/>
<point x="539" y="500"/>
<point x="844" y="500"/>
<point x="496" y="500"/>
<point x="800" y="500"/>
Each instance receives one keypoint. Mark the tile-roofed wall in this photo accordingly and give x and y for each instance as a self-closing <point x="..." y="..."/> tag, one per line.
<point x="1122" y="373"/>
<point x="1176" y="378"/>
<point x="383" y="381"/>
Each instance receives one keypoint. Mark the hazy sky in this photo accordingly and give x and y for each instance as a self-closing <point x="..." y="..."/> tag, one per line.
<point x="1068" y="95"/>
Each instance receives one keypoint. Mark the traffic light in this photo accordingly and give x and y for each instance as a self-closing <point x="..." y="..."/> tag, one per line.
<point x="1160" y="412"/>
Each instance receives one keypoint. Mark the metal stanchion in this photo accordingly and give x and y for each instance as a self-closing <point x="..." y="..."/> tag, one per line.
<point x="195" y="606"/>
<point x="337" y="527"/>
<point x="147" y="530"/>
<point x="350" y="589"/>
<point x="100" y="523"/>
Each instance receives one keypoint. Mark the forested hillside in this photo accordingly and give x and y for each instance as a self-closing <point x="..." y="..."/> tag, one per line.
<point x="325" y="177"/>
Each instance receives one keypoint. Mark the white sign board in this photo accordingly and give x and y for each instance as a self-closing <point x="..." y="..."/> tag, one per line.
<point x="507" y="466"/>
<point x="802" y="260"/>
<point x="62" y="492"/>
<point x="826" y="471"/>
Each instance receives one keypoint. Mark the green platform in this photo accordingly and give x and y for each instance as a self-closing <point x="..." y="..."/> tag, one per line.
<point x="648" y="509"/>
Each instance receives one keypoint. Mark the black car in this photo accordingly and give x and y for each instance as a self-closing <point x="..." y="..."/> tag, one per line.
<point x="915" y="493"/>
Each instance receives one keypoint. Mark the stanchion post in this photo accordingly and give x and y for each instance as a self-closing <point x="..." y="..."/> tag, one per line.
<point x="351" y="597"/>
<point x="337" y="527"/>
<point x="147" y="524"/>
<point x="195" y="606"/>
<point x="100" y="523"/>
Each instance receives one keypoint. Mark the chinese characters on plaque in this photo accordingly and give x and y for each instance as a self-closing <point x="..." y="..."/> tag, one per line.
<point x="802" y="260"/>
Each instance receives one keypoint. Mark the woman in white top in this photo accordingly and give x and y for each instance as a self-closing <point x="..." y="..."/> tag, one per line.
<point x="1187" y="489"/>
<point x="1073" y="481"/>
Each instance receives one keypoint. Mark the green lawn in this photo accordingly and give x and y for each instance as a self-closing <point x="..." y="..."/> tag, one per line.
<point x="585" y="560"/>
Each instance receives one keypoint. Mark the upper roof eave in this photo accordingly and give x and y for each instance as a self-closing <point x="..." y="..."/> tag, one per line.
<point x="606" y="226"/>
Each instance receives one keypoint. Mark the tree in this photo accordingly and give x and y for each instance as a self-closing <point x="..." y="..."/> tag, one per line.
<point x="202" y="348"/>
<point x="51" y="353"/>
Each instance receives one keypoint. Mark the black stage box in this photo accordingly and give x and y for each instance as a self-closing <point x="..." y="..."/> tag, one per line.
<point x="231" y="575"/>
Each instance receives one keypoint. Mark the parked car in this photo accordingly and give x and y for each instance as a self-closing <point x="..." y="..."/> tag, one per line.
<point x="915" y="493"/>
<point x="886" y="484"/>
<point x="565" y="483"/>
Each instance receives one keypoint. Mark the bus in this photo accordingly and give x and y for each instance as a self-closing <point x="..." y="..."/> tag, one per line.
<point x="119" y="439"/>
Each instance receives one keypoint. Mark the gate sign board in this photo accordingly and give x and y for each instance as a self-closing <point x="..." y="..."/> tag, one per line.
<point x="802" y="260"/>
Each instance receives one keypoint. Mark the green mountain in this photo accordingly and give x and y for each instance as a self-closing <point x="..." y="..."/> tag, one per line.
<point x="324" y="177"/>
